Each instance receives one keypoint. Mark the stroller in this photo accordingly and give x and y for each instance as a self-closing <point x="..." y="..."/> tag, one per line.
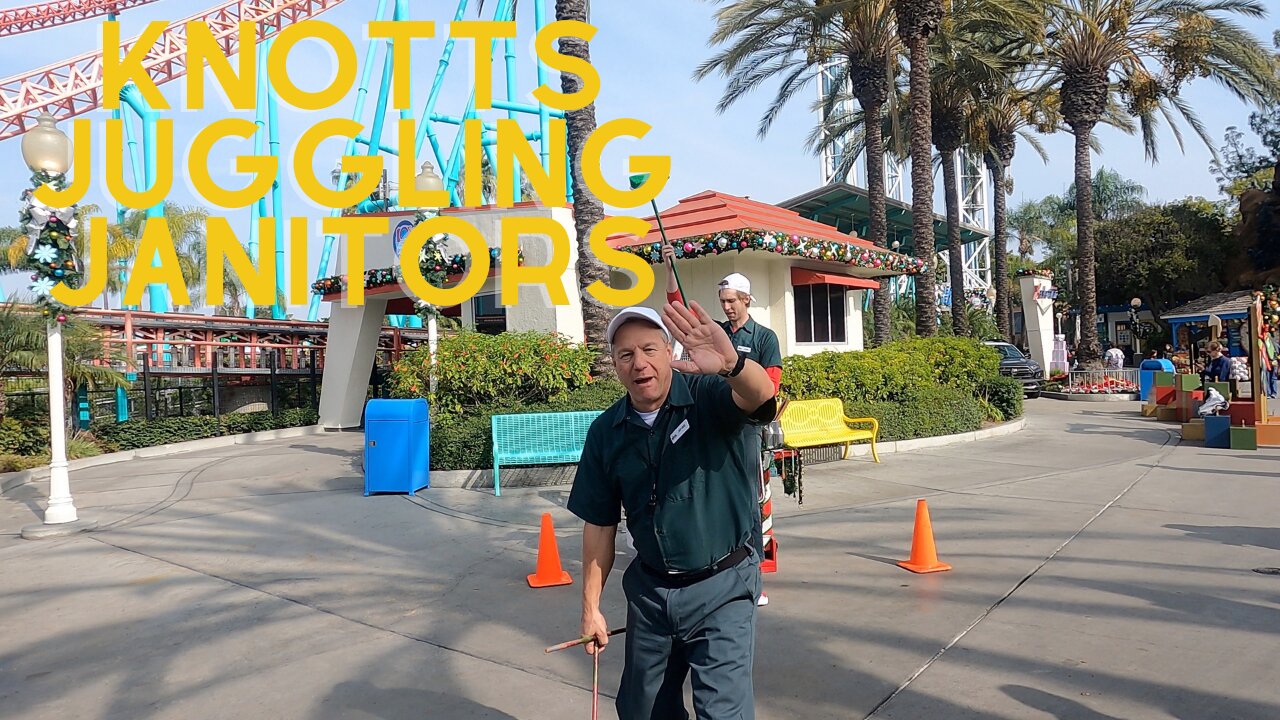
<point x="1214" y="404"/>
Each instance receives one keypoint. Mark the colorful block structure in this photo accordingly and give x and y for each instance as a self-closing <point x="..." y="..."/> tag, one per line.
<point x="1268" y="434"/>
<point x="1242" y="413"/>
<point x="1193" y="430"/>
<point x="1217" y="432"/>
<point x="1244" y="438"/>
<point x="1188" y="381"/>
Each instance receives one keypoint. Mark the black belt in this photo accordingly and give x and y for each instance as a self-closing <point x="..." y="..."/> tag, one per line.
<point x="682" y="579"/>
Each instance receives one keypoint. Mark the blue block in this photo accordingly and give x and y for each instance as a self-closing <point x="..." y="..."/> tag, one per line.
<point x="397" y="446"/>
<point x="1217" y="431"/>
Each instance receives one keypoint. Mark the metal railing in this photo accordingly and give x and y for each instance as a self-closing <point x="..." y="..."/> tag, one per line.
<point x="1102" y="382"/>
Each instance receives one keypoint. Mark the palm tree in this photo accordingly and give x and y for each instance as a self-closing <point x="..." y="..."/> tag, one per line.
<point x="186" y="227"/>
<point x="1142" y="51"/>
<point x="1114" y="196"/>
<point x="13" y="247"/>
<point x="797" y="40"/>
<point x="918" y="21"/>
<point x="587" y="209"/>
<point x="1008" y="112"/>
<point x="87" y="360"/>
<point x="866" y="38"/>
<point x="979" y="46"/>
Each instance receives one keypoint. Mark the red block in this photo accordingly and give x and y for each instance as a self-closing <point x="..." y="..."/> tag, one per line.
<point x="1242" y="413"/>
<point x="1165" y="395"/>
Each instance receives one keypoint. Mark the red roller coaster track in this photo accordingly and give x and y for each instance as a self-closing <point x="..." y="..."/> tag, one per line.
<point x="14" y="21"/>
<point x="74" y="87"/>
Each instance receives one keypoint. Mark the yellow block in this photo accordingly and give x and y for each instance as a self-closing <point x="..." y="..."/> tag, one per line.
<point x="1193" y="430"/>
<point x="1150" y="410"/>
<point x="1167" y="413"/>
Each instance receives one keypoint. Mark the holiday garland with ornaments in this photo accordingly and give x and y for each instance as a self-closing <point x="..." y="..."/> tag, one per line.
<point x="783" y="244"/>
<point x="51" y="256"/>
<point x="432" y="263"/>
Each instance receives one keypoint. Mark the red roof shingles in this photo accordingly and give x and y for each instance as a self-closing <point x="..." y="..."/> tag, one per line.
<point x="711" y="212"/>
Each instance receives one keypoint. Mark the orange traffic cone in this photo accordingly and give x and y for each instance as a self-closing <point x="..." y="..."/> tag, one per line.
<point x="924" y="557"/>
<point x="549" y="572"/>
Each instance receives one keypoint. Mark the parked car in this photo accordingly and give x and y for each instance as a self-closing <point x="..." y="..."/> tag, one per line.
<point x="1020" y="367"/>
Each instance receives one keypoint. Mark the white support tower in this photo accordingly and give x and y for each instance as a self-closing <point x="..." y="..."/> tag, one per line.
<point x="975" y="189"/>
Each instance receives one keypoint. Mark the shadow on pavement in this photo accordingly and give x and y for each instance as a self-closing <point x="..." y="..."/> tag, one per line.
<point x="1057" y="706"/>
<point x="361" y="698"/>
<point x="1237" y="535"/>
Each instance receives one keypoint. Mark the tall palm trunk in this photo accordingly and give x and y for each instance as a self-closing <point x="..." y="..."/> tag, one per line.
<point x="872" y="102"/>
<point x="587" y="210"/>
<point x="955" y="251"/>
<point x="917" y="20"/>
<point x="1000" y="271"/>
<point x="1090" y="352"/>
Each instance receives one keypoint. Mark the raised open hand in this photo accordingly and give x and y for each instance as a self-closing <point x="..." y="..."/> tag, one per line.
<point x="668" y="253"/>
<point x="710" y="350"/>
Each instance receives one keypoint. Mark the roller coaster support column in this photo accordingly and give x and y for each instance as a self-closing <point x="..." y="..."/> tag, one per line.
<point x="313" y="309"/>
<point x="277" y="194"/>
<point x="260" y="206"/>
<point x="133" y="97"/>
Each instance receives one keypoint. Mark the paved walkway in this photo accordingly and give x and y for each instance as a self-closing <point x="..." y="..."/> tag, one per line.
<point x="1101" y="571"/>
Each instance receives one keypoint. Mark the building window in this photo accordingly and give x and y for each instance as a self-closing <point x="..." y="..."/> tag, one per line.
<point x="820" y="313"/>
<point x="490" y="317"/>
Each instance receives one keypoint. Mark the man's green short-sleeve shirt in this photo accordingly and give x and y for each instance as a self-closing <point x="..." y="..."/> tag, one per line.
<point x="688" y="483"/>
<point x="757" y="341"/>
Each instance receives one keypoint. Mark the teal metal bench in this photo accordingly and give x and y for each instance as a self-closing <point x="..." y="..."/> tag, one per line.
<point x="538" y="439"/>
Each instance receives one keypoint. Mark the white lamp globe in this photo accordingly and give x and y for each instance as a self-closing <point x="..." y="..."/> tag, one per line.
<point x="45" y="148"/>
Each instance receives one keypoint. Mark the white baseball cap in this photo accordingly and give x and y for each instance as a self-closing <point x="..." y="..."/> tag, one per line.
<point x="635" y="313"/>
<point x="739" y="282"/>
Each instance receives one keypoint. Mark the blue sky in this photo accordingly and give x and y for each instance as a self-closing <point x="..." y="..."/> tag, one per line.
<point x="646" y="54"/>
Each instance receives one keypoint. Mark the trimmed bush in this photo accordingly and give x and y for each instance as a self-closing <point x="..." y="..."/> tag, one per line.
<point x="1005" y="396"/>
<point x="18" y="463"/>
<point x="465" y="441"/>
<point x="898" y="371"/>
<point x="474" y="370"/>
<point x="934" y="411"/>
<point x="23" y="437"/>
<point x="138" y="433"/>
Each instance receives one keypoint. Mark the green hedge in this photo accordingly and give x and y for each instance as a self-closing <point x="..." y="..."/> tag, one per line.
<point x="897" y="371"/>
<point x="19" y="437"/>
<point x="475" y="370"/>
<point x="465" y="441"/>
<point x="139" y="433"/>
<point x="914" y="388"/>
<point x="1005" y="396"/>
<point x="934" y="411"/>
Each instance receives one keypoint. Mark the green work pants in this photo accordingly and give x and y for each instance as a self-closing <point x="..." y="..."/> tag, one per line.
<point x="706" y="630"/>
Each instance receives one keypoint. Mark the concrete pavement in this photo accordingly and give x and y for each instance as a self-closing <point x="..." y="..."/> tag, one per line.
<point x="1100" y="571"/>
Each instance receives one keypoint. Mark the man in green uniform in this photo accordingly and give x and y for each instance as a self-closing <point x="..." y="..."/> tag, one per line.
<point x="759" y="343"/>
<point x="673" y="454"/>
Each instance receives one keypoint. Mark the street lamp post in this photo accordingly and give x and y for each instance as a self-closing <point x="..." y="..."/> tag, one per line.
<point x="47" y="151"/>
<point x="426" y="180"/>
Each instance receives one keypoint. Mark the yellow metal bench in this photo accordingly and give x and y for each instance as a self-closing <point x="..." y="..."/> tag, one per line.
<point x="814" y="423"/>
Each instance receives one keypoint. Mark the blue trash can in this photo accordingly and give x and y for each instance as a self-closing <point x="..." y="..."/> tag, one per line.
<point x="397" y="446"/>
<point x="1147" y="376"/>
